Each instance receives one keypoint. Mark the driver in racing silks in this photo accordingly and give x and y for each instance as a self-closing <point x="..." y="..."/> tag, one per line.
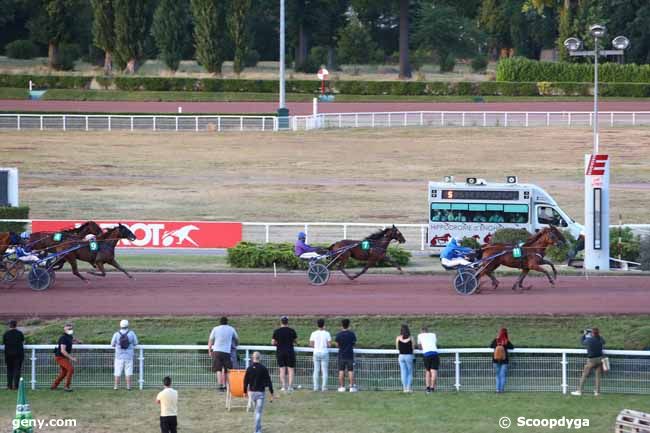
<point x="303" y="250"/>
<point x="455" y="255"/>
<point x="24" y="251"/>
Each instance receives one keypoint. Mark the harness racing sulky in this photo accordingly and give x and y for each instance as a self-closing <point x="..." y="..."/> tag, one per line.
<point x="371" y="250"/>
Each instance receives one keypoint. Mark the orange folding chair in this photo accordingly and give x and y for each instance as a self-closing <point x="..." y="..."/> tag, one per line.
<point x="235" y="390"/>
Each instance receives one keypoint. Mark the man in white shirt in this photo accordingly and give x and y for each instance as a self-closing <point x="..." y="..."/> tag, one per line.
<point x="320" y="340"/>
<point x="428" y="344"/>
<point x="221" y="341"/>
<point x="124" y="342"/>
<point x="168" y="401"/>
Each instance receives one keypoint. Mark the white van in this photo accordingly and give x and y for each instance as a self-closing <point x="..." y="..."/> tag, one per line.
<point x="476" y="208"/>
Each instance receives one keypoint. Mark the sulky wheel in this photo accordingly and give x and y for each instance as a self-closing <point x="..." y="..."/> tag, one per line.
<point x="465" y="282"/>
<point x="39" y="278"/>
<point x="12" y="270"/>
<point x="318" y="274"/>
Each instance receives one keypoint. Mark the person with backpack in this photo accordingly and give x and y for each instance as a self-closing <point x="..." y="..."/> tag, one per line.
<point x="124" y="342"/>
<point x="500" y="360"/>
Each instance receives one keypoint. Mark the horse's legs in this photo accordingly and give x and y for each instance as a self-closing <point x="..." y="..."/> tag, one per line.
<point x="75" y="269"/>
<point x="363" y="271"/>
<point x="100" y="267"/>
<point x="341" y="261"/>
<point x="548" y="262"/>
<point x="117" y="266"/>
<point x="489" y="271"/>
<point x="520" y="279"/>
<point x="538" y="268"/>
<point x="393" y="263"/>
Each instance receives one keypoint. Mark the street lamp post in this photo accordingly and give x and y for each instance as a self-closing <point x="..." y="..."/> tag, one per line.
<point x="596" y="165"/>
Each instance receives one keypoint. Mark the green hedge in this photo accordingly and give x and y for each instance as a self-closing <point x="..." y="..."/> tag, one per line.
<point x="405" y="88"/>
<point x="520" y="69"/>
<point x="253" y="255"/>
<point x="45" y="81"/>
<point x="13" y="213"/>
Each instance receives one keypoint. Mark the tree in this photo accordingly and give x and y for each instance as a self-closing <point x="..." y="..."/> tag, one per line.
<point x="443" y="29"/>
<point x="404" y="65"/>
<point x="131" y="28"/>
<point x="238" y="25"/>
<point x="52" y="25"/>
<point x="169" y="28"/>
<point x="209" y="33"/>
<point x="104" y="30"/>
<point x="355" y="45"/>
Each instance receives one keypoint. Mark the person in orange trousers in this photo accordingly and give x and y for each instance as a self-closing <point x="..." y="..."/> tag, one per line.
<point x="63" y="357"/>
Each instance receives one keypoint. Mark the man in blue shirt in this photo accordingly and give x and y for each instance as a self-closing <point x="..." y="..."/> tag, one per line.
<point x="455" y="255"/>
<point x="302" y="250"/>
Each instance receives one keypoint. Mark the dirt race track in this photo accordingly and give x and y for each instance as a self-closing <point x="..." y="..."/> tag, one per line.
<point x="151" y="294"/>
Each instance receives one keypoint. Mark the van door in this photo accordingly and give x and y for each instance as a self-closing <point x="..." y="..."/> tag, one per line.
<point x="546" y="215"/>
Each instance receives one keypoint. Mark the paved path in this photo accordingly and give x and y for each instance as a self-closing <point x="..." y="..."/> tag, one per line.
<point x="302" y="108"/>
<point x="261" y="294"/>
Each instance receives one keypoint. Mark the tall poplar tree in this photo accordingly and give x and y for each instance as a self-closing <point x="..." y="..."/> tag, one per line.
<point x="104" y="30"/>
<point x="170" y="24"/>
<point x="209" y="33"/>
<point x="239" y="28"/>
<point x="130" y="32"/>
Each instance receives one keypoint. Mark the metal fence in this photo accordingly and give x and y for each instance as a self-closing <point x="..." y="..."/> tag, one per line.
<point x="530" y="370"/>
<point x="106" y="122"/>
<point x="103" y="122"/>
<point x="516" y="119"/>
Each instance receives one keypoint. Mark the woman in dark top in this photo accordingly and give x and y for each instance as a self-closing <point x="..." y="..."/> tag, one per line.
<point x="501" y="345"/>
<point x="404" y="344"/>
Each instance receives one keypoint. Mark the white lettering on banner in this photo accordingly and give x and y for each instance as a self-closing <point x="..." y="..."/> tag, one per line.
<point x="149" y="235"/>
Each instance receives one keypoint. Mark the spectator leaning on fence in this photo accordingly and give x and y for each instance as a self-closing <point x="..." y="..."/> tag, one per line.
<point x="124" y="342"/>
<point x="501" y="344"/>
<point x="320" y="340"/>
<point x="63" y="357"/>
<point x="168" y="401"/>
<point x="345" y="340"/>
<point x="429" y="345"/>
<point x="256" y="380"/>
<point x="14" y="341"/>
<point x="594" y="343"/>
<point x="404" y="344"/>
<point x="284" y="338"/>
<point x="222" y="338"/>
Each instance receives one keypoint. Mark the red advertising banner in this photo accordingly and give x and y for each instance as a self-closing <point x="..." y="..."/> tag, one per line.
<point x="162" y="234"/>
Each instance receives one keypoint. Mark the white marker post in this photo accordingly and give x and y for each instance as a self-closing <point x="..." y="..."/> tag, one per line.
<point x="596" y="212"/>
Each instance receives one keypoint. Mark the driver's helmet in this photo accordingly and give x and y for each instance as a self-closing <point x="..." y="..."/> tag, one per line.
<point x="24" y="235"/>
<point x="453" y="241"/>
<point x="302" y="236"/>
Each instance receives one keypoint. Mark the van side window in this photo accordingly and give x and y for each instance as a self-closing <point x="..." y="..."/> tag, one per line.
<point x="548" y="215"/>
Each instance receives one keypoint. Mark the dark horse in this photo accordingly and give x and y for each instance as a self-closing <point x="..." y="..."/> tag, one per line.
<point x="378" y="244"/>
<point x="532" y="257"/>
<point x="105" y="253"/>
<point x="45" y="240"/>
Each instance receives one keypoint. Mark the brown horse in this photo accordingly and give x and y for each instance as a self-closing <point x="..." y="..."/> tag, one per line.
<point x="105" y="253"/>
<point x="532" y="257"/>
<point x="45" y="240"/>
<point x="377" y="243"/>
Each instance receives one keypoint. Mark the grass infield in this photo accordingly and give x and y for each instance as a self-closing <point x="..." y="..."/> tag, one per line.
<point x="201" y="411"/>
<point x="372" y="331"/>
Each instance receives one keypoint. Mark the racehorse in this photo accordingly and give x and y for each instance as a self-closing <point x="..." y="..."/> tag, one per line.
<point x="532" y="257"/>
<point x="105" y="253"/>
<point x="45" y="240"/>
<point x="376" y="252"/>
